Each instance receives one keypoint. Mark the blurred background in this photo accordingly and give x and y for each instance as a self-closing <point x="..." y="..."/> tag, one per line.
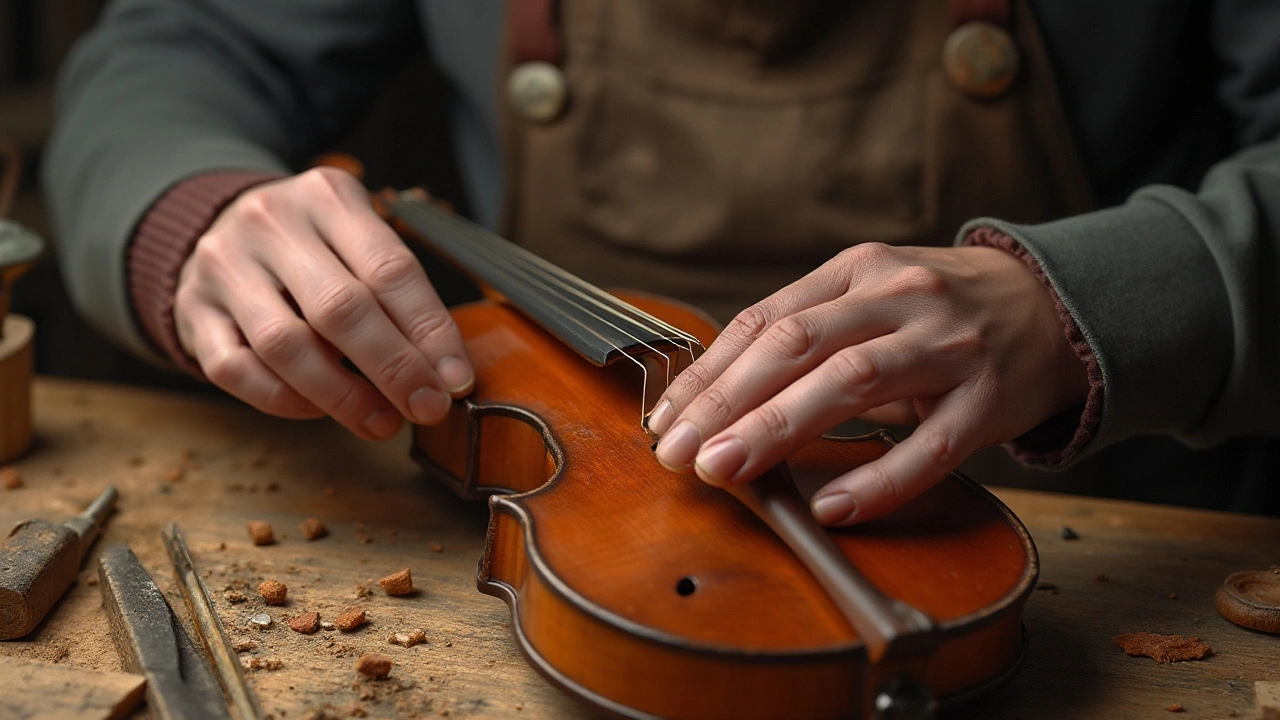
<point x="402" y="142"/>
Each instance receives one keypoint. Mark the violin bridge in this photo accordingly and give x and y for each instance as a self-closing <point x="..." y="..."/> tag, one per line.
<point x="660" y="369"/>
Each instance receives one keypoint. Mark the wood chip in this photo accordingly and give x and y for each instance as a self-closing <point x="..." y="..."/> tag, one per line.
<point x="313" y="529"/>
<point x="437" y="547"/>
<point x="273" y="591"/>
<point x="1162" y="648"/>
<point x="374" y="665"/>
<point x="408" y="638"/>
<point x="398" y="583"/>
<point x="174" y="474"/>
<point x="261" y="663"/>
<point x="235" y="597"/>
<point x="1176" y="707"/>
<point x="10" y="478"/>
<point x="261" y="532"/>
<point x="350" y="619"/>
<point x="306" y="623"/>
<point x="363" y="591"/>
<point x="244" y="645"/>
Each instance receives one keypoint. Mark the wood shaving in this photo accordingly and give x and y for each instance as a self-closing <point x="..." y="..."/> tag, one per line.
<point x="374" y="665"/>
<point x="268" y="664"/>
<point x="398" y="583"/>
<point x="306" y="623"/>
<point x="408" y="638"/>
<point x="1162" y="648"/>
<point x="350" y="619"/>
<point x="261" y="532"/>
<point x="313" y="529"/>
<point x="273" y="592"/>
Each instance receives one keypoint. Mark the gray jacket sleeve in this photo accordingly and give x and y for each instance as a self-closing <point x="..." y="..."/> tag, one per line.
<point x="162" y="90"/>
<point x="1177" y="291"/>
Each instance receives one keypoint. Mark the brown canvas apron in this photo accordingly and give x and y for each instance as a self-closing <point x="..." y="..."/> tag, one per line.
<point x="717" y="150"/>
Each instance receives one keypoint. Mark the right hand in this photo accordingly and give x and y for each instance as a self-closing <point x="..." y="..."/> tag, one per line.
<point x="299" y="273"/>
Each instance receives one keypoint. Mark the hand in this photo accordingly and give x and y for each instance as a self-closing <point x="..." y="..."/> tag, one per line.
<point x="296" y="275"/>
<point x="968" y="335"/>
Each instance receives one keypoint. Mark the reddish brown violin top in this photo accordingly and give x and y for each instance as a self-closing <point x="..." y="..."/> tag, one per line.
<point x="651" y="594"/>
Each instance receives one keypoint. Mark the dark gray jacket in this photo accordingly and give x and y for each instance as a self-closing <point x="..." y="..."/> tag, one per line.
<point x="1175" y="104"/>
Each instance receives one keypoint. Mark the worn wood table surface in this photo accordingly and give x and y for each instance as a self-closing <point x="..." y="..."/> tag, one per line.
<point x="212" y="465"/>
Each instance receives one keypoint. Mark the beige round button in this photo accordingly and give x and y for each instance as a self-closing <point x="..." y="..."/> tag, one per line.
<point x="537" y="90"/>
<point x="980" y="59"/>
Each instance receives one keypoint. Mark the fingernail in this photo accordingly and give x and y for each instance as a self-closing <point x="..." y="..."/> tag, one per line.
<point x="428" y="405"/>
<point x="833" y="508"/>
<point x="382" y="423"/>
<point x="677" y="448"/>
<point x="661" y="417"/>
<point x="721" y="460"/>
<point x="456" y="374"/>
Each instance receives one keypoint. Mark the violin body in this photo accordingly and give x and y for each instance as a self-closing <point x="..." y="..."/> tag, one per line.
<point x="651" y="594"/>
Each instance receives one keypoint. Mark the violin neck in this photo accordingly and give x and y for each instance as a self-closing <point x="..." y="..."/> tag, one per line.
<point x="595" y="324"/>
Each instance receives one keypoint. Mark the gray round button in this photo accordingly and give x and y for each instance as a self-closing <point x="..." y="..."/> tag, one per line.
<point x="538" y="91"/>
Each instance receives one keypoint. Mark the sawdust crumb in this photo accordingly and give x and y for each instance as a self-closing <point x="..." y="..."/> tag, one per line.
<point x="398" y="583"/>
<point x="222" y="546"/>
<point x="363" y="537"/>
<point x="363" y="591"/>
<point x="175" y="474"/>
<point x="268" y="664"/>
<point x="355" y="709"/>
<point x="437" y="547"/>
<point x="313" y="529"/>
<point x="1176" y="708"/>
<point x="244" y="645"/>
<point x="234" y="597"/>
<point x="10" y="477"/>
<point x="408" y="638"/>
<point x="136" y="461"/>
<point x="1162" y="648"/>
<point x="261" y="532"/>
<point x="306" y="623"/>
<point x="273" y="592"/>
<point x="374" y="665"/>
<point x="1173" y="596"/>
<point x="350" y="619"/>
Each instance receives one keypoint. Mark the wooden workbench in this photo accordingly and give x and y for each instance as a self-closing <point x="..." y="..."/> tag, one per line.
<point x="211" y="465"/>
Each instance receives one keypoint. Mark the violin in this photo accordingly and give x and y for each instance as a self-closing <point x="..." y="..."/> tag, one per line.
<point x="648" y="593"/>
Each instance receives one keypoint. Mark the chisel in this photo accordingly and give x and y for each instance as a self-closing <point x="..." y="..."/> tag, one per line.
<point x="39" y="560"/>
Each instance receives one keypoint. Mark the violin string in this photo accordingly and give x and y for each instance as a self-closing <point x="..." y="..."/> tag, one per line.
<point x="533" y="270"/>
<point x="644" y="370"/>
<point x="559" y="277"/>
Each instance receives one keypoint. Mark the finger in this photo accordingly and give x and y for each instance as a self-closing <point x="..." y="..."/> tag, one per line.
<point x="910" y="468"/>
<point x="294" y="351"/>
<point x="813" y="289"/>
<point x="849" y="382"/>
<point x="344" y="311"/>
<point x="229" y="363"/>
<point x="791" y="347"/>
<point x="378" y="258"/>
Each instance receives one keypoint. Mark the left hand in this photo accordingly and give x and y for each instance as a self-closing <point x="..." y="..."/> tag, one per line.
<point x="968" y="335"/>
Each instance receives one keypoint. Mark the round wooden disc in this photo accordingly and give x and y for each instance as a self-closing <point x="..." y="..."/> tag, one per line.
<point x="1251" y="599"/>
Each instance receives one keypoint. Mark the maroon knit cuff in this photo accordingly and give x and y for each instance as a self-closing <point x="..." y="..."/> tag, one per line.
<point x="163" y="241"/>
<point x="1055" y="440"/>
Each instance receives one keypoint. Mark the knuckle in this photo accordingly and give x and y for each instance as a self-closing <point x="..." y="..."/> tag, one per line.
<point x="854" y="369"/>
<point x="883" y="486"/>
<point x="794" y="337"/>
<point x="226" y="371"/>
<point x="748" y="324"/>
<point x="714" y="405"/>
<point x="277" y="341"/>
<point x="939" y="447"/>
<point x="430" y="327"/>
<point x="345" y="400"/>
<point x="334" y="182"/>
<point x="391" y="269"/>
<point x="340" y="305"/>
<point x="921" y="280"/>
<point x="258" y="207"/>
<point x="396" y="367"/>
<point x="692" y="380"/>
<point x="774" y="423"/>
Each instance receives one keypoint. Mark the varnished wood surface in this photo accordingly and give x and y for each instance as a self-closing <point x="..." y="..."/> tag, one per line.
<point x="211" y="465"/>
